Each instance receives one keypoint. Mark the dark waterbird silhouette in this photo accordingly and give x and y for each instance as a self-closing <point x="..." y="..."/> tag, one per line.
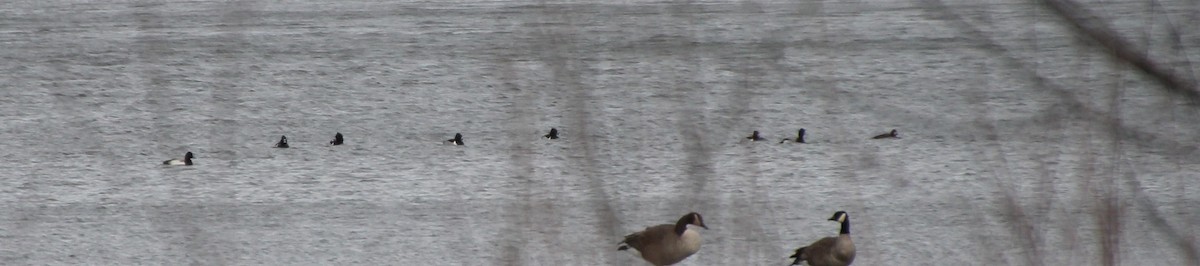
<point x="754" y="136"/>
<point x="799" y="137"/>
<point x="457" y="140"/>
<point x="890" y="135"/>
<point x="337" y="139"/>
<point x="282" y="142"/>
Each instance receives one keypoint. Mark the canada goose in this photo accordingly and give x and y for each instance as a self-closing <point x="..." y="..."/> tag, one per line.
<point x="829" y="251"/>
<point x="754" y="136"/>
<point x="187" y="160"/>
<point x="666" y="244"/>
<point x="553" y="134"/>
<point x="799" y="137"/>
<point x="337" y="139"/>
<point x="282" y="142"/>
<point x="891" y="135"/>
<point x="457" y="140"/>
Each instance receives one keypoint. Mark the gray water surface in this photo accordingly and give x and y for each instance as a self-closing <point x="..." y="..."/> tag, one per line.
<point x="1022" y="143"/>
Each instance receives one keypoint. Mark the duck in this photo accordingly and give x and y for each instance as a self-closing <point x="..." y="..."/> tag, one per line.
<point x="457" y="140"/>
<point x="754" y="136"/>
<point x="187" y="160"/>
<point x="552" y="135"/>
<point x="890" y="135"/>
<point x="667" y="244"/>
<point x="829" y="251"/>
<point x="337" y="139"/>
<point x="282" y="142"/>
<point x="799" y="137"/>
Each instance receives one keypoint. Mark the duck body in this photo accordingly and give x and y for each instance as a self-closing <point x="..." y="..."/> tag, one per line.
<point x="337" y="139"/>
<point x="282" y="142"/>
<point x="799" y="137"/>
<point x="187" y="160"/>
<point x="889" y="135"/>
<point x="754" y="136"/>
<point x="457" y="140"/>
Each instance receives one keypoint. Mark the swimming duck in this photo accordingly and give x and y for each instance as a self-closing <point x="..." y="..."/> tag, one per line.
<point x="337" y="139"/>
<point x="890" y="135"/>
<point x="799" y="137"/>
<point x="754" y="136"/>
<point x="457" y="140"/>
<point x="187" y="160"/>
<point x="282" y="142"/>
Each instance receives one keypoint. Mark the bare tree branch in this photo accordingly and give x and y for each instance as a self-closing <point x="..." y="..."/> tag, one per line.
<point x="1097" y="30"/>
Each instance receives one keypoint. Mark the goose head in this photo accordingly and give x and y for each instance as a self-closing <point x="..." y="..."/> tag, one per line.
<point x="692" y="218"/>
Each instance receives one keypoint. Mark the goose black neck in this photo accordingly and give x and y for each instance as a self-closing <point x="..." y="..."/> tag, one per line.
<point x="845" y="227"/>
<point x="681" y="225"/>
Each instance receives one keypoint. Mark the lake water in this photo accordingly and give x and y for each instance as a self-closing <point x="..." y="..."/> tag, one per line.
<point x="1022" y="143"/>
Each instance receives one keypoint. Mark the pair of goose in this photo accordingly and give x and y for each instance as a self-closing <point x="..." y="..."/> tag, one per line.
<point x="337" y="140"/>
<point x="667" y="244"/>
<point x="800" y="136"/>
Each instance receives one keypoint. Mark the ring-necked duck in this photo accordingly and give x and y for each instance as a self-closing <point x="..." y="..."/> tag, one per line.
<point x="891" y="135"/>
<point x="282" y="142"/>
<point x="337" y="139"/>
<point x="187" y="160"/>
<point x="754" y="136"/>
<point x="457" y="140"/>
<point x="799" y="137"/>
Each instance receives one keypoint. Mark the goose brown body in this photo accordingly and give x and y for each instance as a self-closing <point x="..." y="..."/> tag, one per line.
<point x="829" y="251"/>
<point x="666" y="244"/>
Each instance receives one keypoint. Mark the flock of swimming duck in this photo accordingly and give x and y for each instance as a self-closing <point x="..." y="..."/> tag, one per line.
<point x="667" y="244"/>
<point x="458" y="140"/>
